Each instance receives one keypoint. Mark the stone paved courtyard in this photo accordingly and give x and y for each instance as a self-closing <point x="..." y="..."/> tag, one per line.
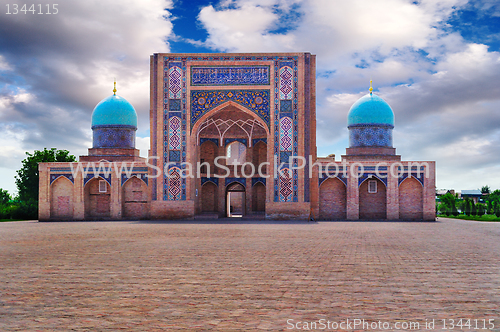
<point x="246" y="276"/>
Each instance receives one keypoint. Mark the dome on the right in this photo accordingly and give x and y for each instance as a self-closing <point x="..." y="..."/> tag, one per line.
<point x="370" y="110"/>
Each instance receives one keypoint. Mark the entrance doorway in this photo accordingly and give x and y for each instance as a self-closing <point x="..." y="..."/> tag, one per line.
<point x="235" y="200"/>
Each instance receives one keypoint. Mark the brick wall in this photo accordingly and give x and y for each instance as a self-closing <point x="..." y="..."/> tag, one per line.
<point x="259" y="197"/>
<point x="97" y="205"/>
<point x="372" y="206"/>
<point x="410" y="200"/>
<point x="332" y="200"/>
<point x="61" y="199"/>
<point x="135" y="199"/>
<point x="209" y="197"/>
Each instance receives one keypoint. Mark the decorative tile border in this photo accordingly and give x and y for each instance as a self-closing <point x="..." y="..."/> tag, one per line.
<point x="203" y="101"/>
<point x="229" y="75"/>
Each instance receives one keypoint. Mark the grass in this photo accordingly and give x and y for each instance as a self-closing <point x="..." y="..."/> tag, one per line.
<point x="2" y="220"/>
<point x="486" y="217"/>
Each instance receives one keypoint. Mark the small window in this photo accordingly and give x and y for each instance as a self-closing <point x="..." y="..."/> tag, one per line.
<point x="102" y="186"/>
<point x="372" y="186"/>
<point x="236" y="153"/>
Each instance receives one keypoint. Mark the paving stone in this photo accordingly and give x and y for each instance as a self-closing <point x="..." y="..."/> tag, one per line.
<point x="244" y="275"/>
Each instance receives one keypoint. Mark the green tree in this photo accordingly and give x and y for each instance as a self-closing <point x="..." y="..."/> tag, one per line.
<point x="489" y="208"/>
<point x="494" y="196"/>
<point x="467" y="207"/>
<point x="4" y="197"/>
<point x="480" y="209"/>
<point x="485" y="189"/>
<point x="27" y="176"/>
<point x="473" y="208"/>
<point x="497" y="210"/>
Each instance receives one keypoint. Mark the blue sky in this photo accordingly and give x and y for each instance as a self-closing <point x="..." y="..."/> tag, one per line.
<point x="436" y="62"/>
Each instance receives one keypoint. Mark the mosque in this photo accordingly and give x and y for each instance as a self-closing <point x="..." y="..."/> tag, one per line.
<point x="234" y="135"/>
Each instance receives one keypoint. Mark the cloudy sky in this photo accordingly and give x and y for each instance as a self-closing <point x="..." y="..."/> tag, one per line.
<point x="436" y="62"/>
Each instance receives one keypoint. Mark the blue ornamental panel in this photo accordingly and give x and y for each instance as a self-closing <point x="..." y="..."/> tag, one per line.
<point x="243" y="181"/>
<point x="366" y="136"/>
<point x="54" y="177"/>
<point x="365" y="176"/>
<point x="256" y="180"/>
<point x="140" y="176"/>
<point x="101" y="175"/>
<point x="213" y="180"/>
<point x="229" y="75"/>
<point x="202" y="101"/>
<point x="113" y="137"/>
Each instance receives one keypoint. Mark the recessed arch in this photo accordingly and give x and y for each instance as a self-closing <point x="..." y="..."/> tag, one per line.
<point x="332" y="199"/>
<point x="61" y="206"/>
<point x="222" y="107"/>
<point x="134" y="199"/>
<point x="373" y="205"/>
<point x="235" y="199"/>
<point x="97" y="203"/>
<point x="411" y="200"/>
<point x="209" y="197"/>
<point x="258" y="197"/>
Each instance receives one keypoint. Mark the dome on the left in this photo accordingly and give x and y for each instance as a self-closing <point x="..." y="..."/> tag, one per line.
<point x="114" y="111"/>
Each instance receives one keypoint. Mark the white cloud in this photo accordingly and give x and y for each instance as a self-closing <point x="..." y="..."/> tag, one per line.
<point x="61" y="66"/>
<point x="445" y="103"/>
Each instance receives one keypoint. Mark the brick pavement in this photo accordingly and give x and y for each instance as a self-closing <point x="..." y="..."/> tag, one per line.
<point x="246" y="276"/>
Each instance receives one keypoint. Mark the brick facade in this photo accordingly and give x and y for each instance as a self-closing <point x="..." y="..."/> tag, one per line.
<point x="201" y="104"/>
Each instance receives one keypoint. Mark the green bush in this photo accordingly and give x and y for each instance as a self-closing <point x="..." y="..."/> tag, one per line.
<point x="467" y="209"/>
<point x="480" y="209"/>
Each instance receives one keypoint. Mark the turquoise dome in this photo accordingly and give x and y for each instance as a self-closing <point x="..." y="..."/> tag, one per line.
<point x="370" y="110"/>
<point x="114" y="110"/>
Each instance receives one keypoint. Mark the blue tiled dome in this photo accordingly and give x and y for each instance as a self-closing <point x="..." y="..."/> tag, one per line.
<point x="115" y="111"/>
<point x="370" y="110"/>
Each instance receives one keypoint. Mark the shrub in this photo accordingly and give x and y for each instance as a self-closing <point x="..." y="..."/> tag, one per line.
<point x="480" y="209"/>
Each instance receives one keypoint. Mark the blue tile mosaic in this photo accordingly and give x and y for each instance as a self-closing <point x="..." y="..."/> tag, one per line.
<point x="257" y="180"/>
<point x="102" y="176"/>
<point x="366" y="176"/>
<point x="239" y="180"/>
<point x="140" y="176"/>
<point x="213" y="180"/>
<point x="174" y="155"/>
<point x="202" y="101"/>
<point x="229" y="75"/>
<point x="207" y="139"/>
<point x="54" y="177"/>
<point x="376" y="136"/>
<point x="230" y="140"/>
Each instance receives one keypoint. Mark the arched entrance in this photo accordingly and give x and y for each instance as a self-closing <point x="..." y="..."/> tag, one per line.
<point x="97" y="199"/>
<point x="209" y="197"/>
<point x="259" y="198"/>
<point x="332" y="200"/>
<point x="372" y="200"/>
<point x="411" y="203"/>
<point x="61" y="206"/>
<point x="135" y="199"/>
<point x="235" y="200"/>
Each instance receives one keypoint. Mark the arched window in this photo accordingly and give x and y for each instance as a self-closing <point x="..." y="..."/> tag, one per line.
<point x="236" y="153"/>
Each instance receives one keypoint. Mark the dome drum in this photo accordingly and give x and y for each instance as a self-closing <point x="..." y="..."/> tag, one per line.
<point x="370" y="136"/>
<point x="114" y="137"/>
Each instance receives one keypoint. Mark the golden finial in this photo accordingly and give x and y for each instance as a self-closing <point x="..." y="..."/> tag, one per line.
<point x="371" y="88"/>
<point x="114" y="90"/>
